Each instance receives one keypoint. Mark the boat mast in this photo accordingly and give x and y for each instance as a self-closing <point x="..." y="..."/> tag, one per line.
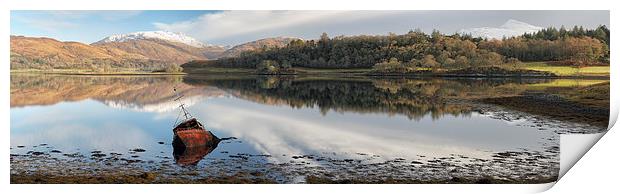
<point x="181" y="105"/>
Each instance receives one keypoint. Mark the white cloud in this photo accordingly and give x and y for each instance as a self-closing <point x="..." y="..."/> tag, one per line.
<point x="235" y="27"/>
<point x="227" y="24"/>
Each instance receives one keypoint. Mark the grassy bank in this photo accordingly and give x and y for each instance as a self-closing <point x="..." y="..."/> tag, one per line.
<point x="567" y="70"/>
<point x="563" y="83"/>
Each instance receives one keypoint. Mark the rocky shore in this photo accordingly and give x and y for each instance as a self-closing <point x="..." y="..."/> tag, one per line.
<point x="554" y="107"/>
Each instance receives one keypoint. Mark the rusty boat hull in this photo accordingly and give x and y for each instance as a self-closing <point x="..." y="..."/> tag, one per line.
<point x="191" y="133"/>
<point x="192" y="142"/>
<point x="194" y="138"/>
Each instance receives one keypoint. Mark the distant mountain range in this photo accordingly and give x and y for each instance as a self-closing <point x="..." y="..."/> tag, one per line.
<point x="160" y="35"/>
<point x="158" y="49"/>
<point x="150" y="48"/>
<point x="162" y="46"/>
<point x="509" y="29"/>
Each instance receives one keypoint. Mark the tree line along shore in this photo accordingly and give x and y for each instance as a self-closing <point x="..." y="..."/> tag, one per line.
<point x="549" y="52"/>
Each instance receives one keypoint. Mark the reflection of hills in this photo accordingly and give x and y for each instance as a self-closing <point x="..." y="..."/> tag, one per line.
<point x="138" y="93"/>
<point x="411" y="97"/>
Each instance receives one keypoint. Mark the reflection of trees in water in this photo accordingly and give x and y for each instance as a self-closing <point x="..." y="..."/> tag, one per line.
<point x="457" y="88"/>
<point x="411" y="97"/>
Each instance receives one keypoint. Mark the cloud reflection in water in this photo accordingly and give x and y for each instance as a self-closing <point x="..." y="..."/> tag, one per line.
<point x="277" y="130"/>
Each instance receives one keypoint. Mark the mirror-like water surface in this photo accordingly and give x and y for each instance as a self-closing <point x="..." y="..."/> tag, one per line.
<point x="287" y="129"/>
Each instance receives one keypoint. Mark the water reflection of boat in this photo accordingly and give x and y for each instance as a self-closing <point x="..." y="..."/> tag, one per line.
<point x="191" y="141"/>
<point x="192" y="155"/>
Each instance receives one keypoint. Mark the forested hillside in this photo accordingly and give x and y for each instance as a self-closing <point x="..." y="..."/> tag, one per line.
<point x="257" y="45"/>
<point x="580" y="46"/>
<point x="416" y="49"/>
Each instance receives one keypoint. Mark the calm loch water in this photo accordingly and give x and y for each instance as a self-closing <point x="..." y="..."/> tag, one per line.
<point x="285" y="128"/>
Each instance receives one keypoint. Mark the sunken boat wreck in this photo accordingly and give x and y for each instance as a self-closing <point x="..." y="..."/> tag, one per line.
<point x="191" y="141"/>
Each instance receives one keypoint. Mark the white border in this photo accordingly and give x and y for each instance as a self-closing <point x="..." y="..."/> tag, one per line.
<point x="594" y="172"/>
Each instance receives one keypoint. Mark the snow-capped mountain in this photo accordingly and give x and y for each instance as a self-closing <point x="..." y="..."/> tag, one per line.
<point x="162" y="35"/>
<point x="164" y="46"/>
<point x="511" y="28"/>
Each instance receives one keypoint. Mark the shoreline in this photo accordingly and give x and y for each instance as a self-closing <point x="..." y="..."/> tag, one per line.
<point x="492" y="76"/>
<point x="408" y="75"/>
<point x="555" y="107"/>
<point x="528" y="70"/>
<point x="95" y="74"/>
<point x="326" y="73"/>
<point x="243" y="178"/>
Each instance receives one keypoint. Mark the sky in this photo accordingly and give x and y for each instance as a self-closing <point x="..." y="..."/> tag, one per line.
<point x="236" y="27"/>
